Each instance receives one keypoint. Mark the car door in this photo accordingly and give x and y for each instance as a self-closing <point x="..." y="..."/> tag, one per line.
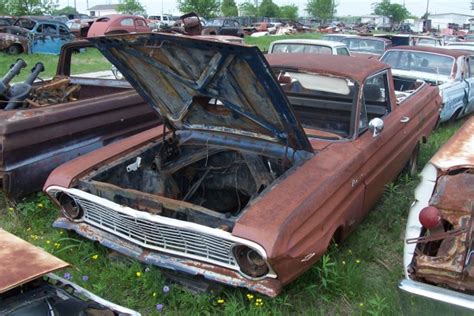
<point x="469" y="78"/>
<point x="228" y="28"/>
<point x="65" y="35"/>
<point x="385" y="154"/>
<point x="45" y="39"/>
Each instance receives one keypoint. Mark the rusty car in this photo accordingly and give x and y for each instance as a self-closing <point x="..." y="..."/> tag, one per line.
<point x="117" y="24"/>
<point x="308" y="46"/>
<point x="34" y="35"/>
<point x="258" y="165"/>
<point x="46" y="123"/>
<point x="28" y="285"/>
<point x="451" y="70"/>
<point x="438" y="255"/>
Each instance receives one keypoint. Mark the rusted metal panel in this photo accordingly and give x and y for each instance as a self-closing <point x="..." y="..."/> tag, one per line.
<point x="21" y="262"/>
<point x="458" y="151"/>
<point x="34" y="141"/>
<point x="7" y="40"/>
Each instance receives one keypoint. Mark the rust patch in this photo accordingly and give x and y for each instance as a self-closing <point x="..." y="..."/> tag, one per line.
<point x="458" y="151"/>
<point x="21" y="262"/>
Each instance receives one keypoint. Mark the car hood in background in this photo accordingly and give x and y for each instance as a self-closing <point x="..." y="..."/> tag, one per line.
<point x="21" y="262"/>
<point x="198" y="84"/>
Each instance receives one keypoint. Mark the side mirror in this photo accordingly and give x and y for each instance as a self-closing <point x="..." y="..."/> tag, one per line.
<point x="376" y="126"/>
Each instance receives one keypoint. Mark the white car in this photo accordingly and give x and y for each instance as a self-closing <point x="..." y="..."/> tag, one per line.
<point x="439" y="250"/>
<point x="451" y="70"/>
<point x="308" y="46"/>
<point x="460" y="46"/>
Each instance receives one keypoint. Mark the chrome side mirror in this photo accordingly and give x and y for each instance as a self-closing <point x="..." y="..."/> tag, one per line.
<point x="376" y="126"/>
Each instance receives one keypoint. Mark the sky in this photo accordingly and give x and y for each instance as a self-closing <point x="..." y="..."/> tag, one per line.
<point x="345" y="7"/>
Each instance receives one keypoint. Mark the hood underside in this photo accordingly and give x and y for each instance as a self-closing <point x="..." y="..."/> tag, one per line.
<point x="199" y="84"/>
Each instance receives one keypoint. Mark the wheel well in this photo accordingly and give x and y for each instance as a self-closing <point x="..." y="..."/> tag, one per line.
<point x="337" y="236"/>
<point x="20" y="47"/>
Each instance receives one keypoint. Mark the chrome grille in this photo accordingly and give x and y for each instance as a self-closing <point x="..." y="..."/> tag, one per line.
<point x="159" y="236"/>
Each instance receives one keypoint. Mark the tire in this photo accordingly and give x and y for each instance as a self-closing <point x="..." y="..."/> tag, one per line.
<point x="454" y="117"/>
<point x="411" y="168"/>
<point x="14" y="49"/>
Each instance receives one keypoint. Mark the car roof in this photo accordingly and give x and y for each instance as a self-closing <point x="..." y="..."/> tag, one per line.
<point x="340" y="35"/>
<point x="457" y="152"/>
<point x="309" y="41"/>
<point x="357" y="69"/>
<point x="380" y="39"/>
<point x="430" y="49"/>
<point x="23" y="262"/>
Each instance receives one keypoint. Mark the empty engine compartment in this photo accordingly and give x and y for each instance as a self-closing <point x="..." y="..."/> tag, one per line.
<point x="210" y="185"/>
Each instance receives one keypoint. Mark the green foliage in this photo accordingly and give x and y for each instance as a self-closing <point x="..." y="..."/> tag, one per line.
<point x="204" y="8"/>
<point x="323" y="9"/>
<point x="131" y="7"/>
<point x="289" y="12"/>
<point x="29" y="7"/>
<point x="65" y="11"/>
<point x="3" y="8"/>
<point x="268" y="9"/>
<point x="247" y="9"/>
<point x="396" y="11"/>
<point x="229" y="8"/>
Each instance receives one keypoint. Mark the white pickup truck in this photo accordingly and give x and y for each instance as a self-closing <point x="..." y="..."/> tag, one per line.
<point x="451" y="70"/>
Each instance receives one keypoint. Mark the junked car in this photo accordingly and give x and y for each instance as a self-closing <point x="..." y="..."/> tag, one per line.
<point x="34" y="35"/>
<point x="367" y="46"/>
<point x="28" y="286"/>
<point x="451" y="70"/>
<point x="308" y="46"/>
<point x="258" y="166"/>
<point x="439" y="250"/>
<point x="336" y="37"/>
<point x="118" y="24"/>
<point x="48" y="122"/>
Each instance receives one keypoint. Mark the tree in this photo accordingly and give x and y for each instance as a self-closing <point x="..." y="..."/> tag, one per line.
<point x="29" y="7"/>
<point x="229" y="8"/>
<point x="3" y="9"/>
<point x="268" y="9"/>
<point x="395" y="11"/>
<point x="205" y="8"/>
<point x="247" y="9"/>
<point x="289" y="12"/>
<point x="66" y="11"/>
<point x="323" y="9"/>
<point x="131" y="7"/>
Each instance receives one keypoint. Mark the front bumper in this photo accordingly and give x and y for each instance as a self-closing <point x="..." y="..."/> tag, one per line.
<point x="424" y="299"/>
<point x="268" y="286"/>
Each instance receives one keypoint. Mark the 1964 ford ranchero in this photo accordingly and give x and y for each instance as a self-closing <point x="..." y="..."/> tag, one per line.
<point x="259" y="164"/>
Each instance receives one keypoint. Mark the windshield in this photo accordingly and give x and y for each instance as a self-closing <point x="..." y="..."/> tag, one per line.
<point x="419" y="61"/>
<point x="301" y="48"/>
<point x="215" y="23"/>
<point x="364" y="45"/>
<point x="26" y="23"/>
<point x="332" y="38"/>
<point x="324" y="104"/>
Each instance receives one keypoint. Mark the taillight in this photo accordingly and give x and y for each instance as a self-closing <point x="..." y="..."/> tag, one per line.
<point x="430" y="217"/>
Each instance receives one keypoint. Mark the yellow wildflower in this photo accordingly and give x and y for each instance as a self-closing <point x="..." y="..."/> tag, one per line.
<point x="250" y="297"/>
<point x="343" y="262"/>
<point x="154" y="294"/>
<point x="28" y="229"/>
<point x="57" y="245"/>
<point x="40" y="205"/>
<point x="48" y="242"/>
<point x="11" y="209"/>
<point x="220" y="301"/>
<point x="361" y="304"/>
<point x="357" y="261"/>
<point x="94" y="257"/>
<point x="138" y="274"/>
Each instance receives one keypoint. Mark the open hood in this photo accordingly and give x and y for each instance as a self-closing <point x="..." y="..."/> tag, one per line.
<point x="206" y="85"/>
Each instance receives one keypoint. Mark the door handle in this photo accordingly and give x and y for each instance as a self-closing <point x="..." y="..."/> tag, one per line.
<point x="404" y="119"/>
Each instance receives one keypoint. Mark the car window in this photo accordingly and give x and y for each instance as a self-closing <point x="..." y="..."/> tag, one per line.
<point x="4" y="23"/>
<point x="343" y="51"/>
<point x="47" y="29"/>
<point x="470" y="62"/>
<point x="419" y="61"/>
<point x="228" y="23"/>
<point x="236" y="24"/>
<point x="25" y="23"/>
<point x="140" y="23"/>
<point x="301" y="48"/>
<point x="375" y="100"/>
<point x="364" y="45"/>
<point x="98" y="66"/>
<point x="63" y="30"/>
<point x="127" y="22"/>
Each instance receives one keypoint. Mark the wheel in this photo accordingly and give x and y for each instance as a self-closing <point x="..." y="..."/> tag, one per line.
<point x="412" y="164"/>
<point x="14" y="49"/>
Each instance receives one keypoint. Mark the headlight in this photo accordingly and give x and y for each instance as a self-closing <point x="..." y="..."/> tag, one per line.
<point x="250" y="261"/>
<point x="69" y="206"/>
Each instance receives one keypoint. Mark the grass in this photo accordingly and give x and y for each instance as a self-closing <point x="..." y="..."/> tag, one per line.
<point x="357" y="277"/>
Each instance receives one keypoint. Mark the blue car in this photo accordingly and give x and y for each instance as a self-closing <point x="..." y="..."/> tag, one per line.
<point x="35" y="35"/>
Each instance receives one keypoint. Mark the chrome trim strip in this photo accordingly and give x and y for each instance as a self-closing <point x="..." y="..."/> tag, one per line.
<point x="192" y="227"/>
